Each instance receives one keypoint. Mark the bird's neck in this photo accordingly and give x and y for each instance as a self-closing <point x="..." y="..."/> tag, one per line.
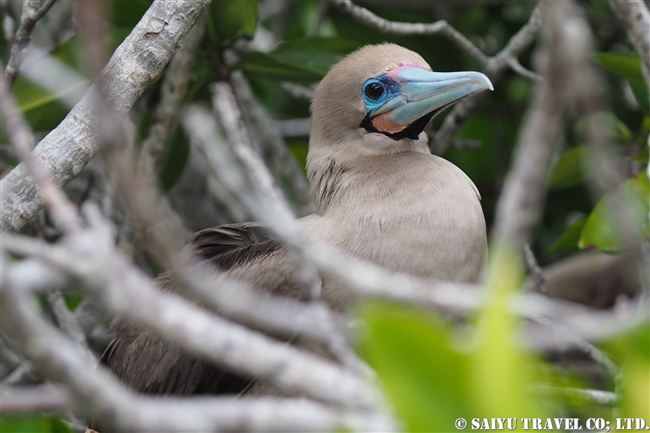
<point x="338" y="181"/>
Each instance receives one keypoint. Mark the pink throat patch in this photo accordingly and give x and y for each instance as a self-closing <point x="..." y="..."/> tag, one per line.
<point x="393" y="72"/>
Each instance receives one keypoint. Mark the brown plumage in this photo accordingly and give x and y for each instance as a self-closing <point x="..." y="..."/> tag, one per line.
<point x="379" y="197"/>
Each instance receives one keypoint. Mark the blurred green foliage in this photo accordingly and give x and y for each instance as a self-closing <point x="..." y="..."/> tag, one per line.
<point x="432" y="375"/>
<point x="33" y="424"/>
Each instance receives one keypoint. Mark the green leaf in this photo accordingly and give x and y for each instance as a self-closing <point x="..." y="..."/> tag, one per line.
<point x="302" y="60"/>
<point x="127" y="13"/>
<point x="231" y="19"/>
<point x="268" y="66"/>
<point x="632" y="350"/>
<point x="24" y="424"/>
<point x="568" y="241"/>
<point x="43" y="109"/>
<point x="641" y="96"/>
<point x="567" y="171"/>
<point x="60" y="426"/>
<point x="176" y="155"/>
<point x="643" y="157"/>
<point x="627" y="66"/>
<point x="425" y="378"/>
<point x="601" y="230"/>
<point x="499" y="362"/>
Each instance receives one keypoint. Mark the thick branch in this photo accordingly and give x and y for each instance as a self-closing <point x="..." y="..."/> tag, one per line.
<point x="172" y="92"/>
<point x="520" y="205"/>
<point x="90" y="257"/>
<point x="101" y="397"/>
<point x="134" y="65"/>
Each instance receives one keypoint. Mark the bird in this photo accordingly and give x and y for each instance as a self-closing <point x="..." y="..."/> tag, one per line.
<point x="380" y="196"/>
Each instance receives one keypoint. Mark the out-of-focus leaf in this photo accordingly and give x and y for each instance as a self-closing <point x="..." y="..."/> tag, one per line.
<point x="317" y="54"/>
<point x="499" y="362"/>
<point x="43" y="109"/>
<point x="425" y="378"/>
<point x="60" y="426"/>
<point x="72" y="300"/>
<point x="601" y="229"/>
<point x="302" y="60"/>
<point x="568" y="241"/>
<point x="24" y="424"/>
<point x="518" y="89"/>
<point x="641" y="96"/>
<point x="632" y="351"/>
<point x="299" y="149"/>
<point x="229" y="20"/>
<point x="127" y="13"/>
<point x="567" y="171"/>
<point x="479" y="164"/>
<point x="642" y="157"/>
<point x="175" y="159"/>
<point x="615" y="129"/>
<point x="268" y="66"/>
<point x="627" y="66"/>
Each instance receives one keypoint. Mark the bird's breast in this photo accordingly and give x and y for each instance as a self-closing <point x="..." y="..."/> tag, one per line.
<point x="418" y="215"/>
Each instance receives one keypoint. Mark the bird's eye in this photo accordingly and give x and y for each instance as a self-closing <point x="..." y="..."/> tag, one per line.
<point x="374" y="91"/>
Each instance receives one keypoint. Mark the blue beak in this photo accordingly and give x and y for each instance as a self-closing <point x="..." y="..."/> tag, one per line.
<point x="411" y="93"/>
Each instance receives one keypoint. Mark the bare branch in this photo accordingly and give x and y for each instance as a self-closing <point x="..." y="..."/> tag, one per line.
<point x="134" y="65"/>
<point x="22" y="140"/>
<point x="90" y="257"/>
<point x="106" y="400"/>
<point x="172" y="92"/>
<point x="37" y="399"/>
<point x="519" y="207"/>
<point x="274" y="149"/>
<point x="297" y="90"/>
<point x="30" y="15"/>
<point x="442" y="27"/>
<point x="495" y="68"/>
<point x="533" y="267"/>
<point x="636" y="18"/>
<point x="68" y="322"/>
<point x="261" y="179"/>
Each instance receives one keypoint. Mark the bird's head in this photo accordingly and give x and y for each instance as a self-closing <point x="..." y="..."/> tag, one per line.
<point x="385" y="95"/>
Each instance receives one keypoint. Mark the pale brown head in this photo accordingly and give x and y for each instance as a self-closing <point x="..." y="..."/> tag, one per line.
<point x="383" y="95"/>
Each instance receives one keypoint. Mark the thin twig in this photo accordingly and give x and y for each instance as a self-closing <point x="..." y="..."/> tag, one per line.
<point x="533" y="267"/>
<point x="273" y="148"/>
<point x="102" y="398"/>
<point x="240" y="143"/>
<point x="105" y="273"/>
<point x="30" y="15"/>
<point x="442" y="27"/>
<point x="495" y="68"/>
<point x="68" y="322"/>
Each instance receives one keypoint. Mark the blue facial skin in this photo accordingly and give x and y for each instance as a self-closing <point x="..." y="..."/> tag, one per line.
<point x="391" y="89"/>
<point x="415" y="92"/>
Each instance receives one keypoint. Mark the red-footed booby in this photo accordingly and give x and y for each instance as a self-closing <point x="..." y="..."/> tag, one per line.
<point x="381" y="196"/>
